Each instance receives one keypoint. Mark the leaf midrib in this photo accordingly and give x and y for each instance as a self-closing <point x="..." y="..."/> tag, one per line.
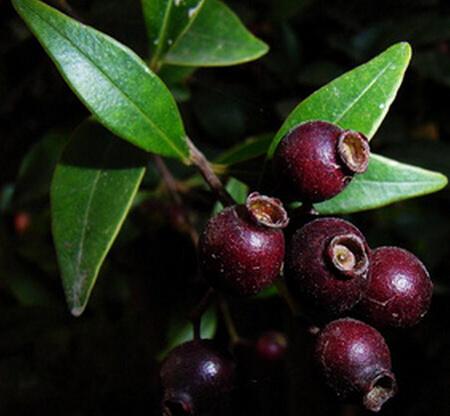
<point x="187" y="27"/>
<point x="362" y="93"/>
<point x="128" y="98"/>
<point x="85" y="220"/>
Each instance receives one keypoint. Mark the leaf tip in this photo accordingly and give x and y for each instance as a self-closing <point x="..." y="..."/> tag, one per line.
<point x="405" y="48"/>
<point x="77" y="310"/>
<point x="443" y="181"/>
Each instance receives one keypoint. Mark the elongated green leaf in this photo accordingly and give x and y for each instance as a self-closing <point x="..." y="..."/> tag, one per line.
<point x="249" y="149"/>
<point x="36" y="170"/>
<point x="166" y="20"/>
<point x="357" y="100"/>
<point x="386" y="181"/>
<point x="215" y="38"/>
<point x="110" y="79"/>
<point x="92" y="191"/>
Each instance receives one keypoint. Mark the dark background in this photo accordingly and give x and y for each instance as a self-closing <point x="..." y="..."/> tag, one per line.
<point x="103" y="362"/>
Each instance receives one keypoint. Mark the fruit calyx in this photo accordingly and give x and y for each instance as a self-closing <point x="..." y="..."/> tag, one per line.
<point x="382" y="388"/>
<point x="266" y="211"/>
<point x="353" y="149"/>
<point x="347" y="254"/>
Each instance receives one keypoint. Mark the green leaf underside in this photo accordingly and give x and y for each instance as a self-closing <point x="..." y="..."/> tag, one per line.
<point x="247" y="150"/>
<point x="216" y="37"/>
<point x="386" y="181"/>
<point x="181" y="332"/>
<point x="92" y="190"/>
<point x="357" y="100"/>
<point x="36" y="170"/>
<point x="166" y="20"/>
<point x="110" y="79"/>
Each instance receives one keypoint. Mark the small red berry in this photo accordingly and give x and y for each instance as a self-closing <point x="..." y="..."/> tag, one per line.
<point x="317" y="159"/>
<point x="241" y="250"/>
<point x="22" y="222"/>
<point x="356" y="362"/>
<point x="196" y="379"/>
<point x="327" y="265"/>
<point x="400" y="289"/>
<point x="271" y="346"/>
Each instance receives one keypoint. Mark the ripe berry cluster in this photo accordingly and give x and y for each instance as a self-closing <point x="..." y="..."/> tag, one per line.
<point x="328" y="267"/>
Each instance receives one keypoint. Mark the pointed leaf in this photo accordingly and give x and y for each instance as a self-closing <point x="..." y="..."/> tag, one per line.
<point x="357" y="100"/>
<point x="386" y="181"/>
<point x="110" y="79"/>
<point x="215" y="38"/>
<point x="92" y="191"/>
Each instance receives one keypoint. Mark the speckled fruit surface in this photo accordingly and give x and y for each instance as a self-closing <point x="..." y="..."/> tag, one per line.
<point x="355" y="362"/>
<point x="327" y="265"/>
<point x="400" y="289"/>
<point x="317" y="159"/>
<point x="195" y="378"/>
<point x="241" y="250"/>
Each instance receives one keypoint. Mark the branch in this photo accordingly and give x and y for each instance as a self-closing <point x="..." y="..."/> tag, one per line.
<point x="202" y="164"/>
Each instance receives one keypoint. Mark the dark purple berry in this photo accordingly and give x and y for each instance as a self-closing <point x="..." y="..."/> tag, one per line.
<point x="196" y="378"/>
<point x="271" y="346"/>
<point x="241" y="250"/>
<point x="356" y="362"/>
<point x="400" y="289"/>
<point x="317" y="159"/>
<point x="327" y="265"/>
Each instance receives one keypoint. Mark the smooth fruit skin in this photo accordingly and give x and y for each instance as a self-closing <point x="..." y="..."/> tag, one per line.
<point x="311" y="274"/>
<point x="271" y="346"/>
<point x="400" y="289"/>
<point x="196" y="377"/>
<point x="238" y="255"/>
<point x="313" y="164"/>
<point x="355" y="361"/>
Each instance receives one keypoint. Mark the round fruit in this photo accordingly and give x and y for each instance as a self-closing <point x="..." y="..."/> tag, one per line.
<point x="22" y="222"/>
<point x="317" y="159"/>
<point x="327" y="265"/>
<point x="400" y="289"/>
<point x="271" y="346"/>
<point x="241" y="250"/>
<point x="196" y="378"/>
<point x="355" y="361"/>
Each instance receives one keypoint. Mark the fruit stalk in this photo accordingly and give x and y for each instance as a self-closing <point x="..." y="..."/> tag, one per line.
<point x="228" y="321"/>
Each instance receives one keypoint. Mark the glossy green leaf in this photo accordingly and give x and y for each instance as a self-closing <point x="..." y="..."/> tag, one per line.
<point x="166" y="20"/>
<point x="92" y="191"/>
<point x="357" y="100"/>
<point x="237" y="189"/>
<point x="110" y="79"/>
<point x="386" y="181"/>
<point x="36" y="170"/>
<point x="182" y="331"/>
<point x="216" y="37"/>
